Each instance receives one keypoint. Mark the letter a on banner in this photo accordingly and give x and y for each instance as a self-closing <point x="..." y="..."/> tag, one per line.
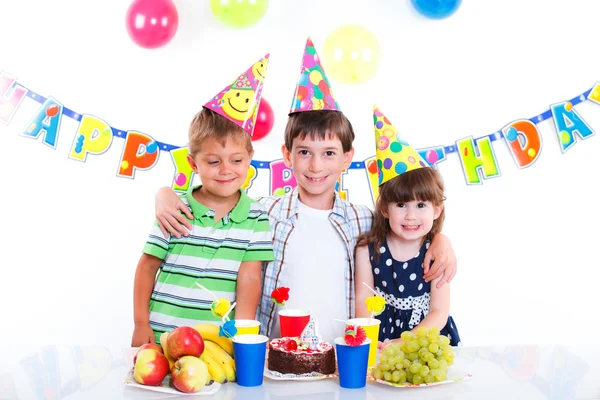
<point x="46" y="122"/>
<point x="569" y="123"/>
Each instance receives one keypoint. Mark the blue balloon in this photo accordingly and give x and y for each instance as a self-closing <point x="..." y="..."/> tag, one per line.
<point x="151" y="147"/>
<point x="436" y="9"/>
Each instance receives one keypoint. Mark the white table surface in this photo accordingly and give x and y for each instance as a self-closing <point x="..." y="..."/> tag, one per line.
<point x="510" y="372"/>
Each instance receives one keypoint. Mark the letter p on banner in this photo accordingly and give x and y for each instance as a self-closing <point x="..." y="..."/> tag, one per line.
<point x="94" y="136"/>
<point x="140" y="152"/>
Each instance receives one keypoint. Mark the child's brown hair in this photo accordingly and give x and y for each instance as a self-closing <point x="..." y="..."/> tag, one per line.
<point x="423" y="184"/>
<point x="208" y="124"/>
<point x="319" y="124"/>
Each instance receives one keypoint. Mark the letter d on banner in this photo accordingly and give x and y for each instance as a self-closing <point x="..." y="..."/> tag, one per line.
<point x="282" y="178"/>
<point x="524" y="141"/>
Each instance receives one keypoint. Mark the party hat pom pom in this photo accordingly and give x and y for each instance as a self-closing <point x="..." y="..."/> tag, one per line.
<point x="228" y="329"/>
<point x="219" y="307"/>
<point x="280" y="295"/>
<point x="354" y="335"/>
<point x="375" y="304"/>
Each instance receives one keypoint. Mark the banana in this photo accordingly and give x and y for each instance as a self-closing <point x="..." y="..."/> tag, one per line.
<point x="163" y="344"/>
<point x="209" y="379"/>
<point x="215" y="368"/>
<point x="221" y="355"/>
<point x="211" y="332"/>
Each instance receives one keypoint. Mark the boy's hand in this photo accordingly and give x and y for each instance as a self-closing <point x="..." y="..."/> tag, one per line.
<point x="444" y="261"/>
<point x="169" y="208"/>
<point x="142" y="334"/>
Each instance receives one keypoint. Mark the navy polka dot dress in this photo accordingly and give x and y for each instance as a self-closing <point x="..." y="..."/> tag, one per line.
<point x="406" y="294"/>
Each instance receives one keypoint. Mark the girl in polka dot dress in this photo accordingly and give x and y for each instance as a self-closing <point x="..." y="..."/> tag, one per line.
<point x="408" y="214"/>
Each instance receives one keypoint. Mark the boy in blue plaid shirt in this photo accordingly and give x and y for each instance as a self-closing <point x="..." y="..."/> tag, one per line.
<point x="314" y="229"/>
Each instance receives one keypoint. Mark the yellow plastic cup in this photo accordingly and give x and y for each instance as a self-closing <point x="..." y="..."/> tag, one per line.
<point x="247" y="326"/>
<point x="371" y="327"/>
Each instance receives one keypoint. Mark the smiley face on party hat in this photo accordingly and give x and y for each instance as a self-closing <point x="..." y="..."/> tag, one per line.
<point x="313" y="91"/>
<point x="239" y="101"/>
<point x="394" y="155"/>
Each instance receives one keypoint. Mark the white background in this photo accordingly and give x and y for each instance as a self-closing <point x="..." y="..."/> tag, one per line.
<point x="526" y="241"/>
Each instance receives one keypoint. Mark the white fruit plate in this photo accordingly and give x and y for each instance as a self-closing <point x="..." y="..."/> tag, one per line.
<point x="292" y="377"/>
<point x="278" y="376"/>
<point x="452" y="377"/>
<point x="165" y="386"/>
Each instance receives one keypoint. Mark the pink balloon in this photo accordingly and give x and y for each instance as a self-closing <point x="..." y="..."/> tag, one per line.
<point x="432" y="156"/>
<point x="264" y="120"/>
<point x="152" y="23"/>
<point x="180" y="179"/>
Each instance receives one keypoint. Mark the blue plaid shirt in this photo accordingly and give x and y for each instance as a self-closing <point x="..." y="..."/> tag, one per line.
<point x="348" y="219"/>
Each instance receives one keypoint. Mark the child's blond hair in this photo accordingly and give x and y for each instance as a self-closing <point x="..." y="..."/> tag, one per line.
<point x="208" y="124"/>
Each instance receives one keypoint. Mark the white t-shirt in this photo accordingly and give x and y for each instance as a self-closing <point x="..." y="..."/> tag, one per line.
<point x="314" y="273"/>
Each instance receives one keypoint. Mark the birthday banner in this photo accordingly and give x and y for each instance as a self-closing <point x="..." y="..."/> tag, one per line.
<point x="140" y="151"/>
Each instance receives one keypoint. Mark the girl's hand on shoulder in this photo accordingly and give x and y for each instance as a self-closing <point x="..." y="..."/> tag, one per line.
<point x="171" y="212"/>
<point x="442" y="255"/>
<point x="142" y="334"/>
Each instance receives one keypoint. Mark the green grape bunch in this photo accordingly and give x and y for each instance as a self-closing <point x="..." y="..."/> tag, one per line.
<point x="423" y="357"/>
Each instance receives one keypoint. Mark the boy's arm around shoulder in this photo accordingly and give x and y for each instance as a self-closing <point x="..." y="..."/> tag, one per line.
<point x="444" y="261"/>
<point x="171" y="212"/>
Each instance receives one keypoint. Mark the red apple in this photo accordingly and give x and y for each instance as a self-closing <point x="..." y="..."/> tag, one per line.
<point x="152" y="346"/>
<point x="189" y="374"/>
<point x="184" y="341"/>
<point x="150" y="368"/>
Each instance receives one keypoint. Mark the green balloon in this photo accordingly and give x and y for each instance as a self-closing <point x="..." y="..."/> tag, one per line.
<point x="318" y="94"/>
<point x="239" y="13"/>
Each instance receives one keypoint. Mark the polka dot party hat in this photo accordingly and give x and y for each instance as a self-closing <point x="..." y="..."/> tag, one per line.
<point x="394" y="155"/>
<point x="313" y="91"/>
<point x="239" y="101"/>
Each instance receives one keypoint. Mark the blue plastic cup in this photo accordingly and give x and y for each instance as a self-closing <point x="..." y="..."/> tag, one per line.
<point x="249" y="355"/>
<point x="352" y="363"/>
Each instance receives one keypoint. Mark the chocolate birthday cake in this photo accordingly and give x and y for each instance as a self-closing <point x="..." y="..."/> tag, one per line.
<point x="292" y="356"/>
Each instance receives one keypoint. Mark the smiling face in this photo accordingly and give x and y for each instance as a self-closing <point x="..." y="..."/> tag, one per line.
<point x="222" y="168"/>
<point x="317" y="165"/>
<point x="412" y="220"/>
<point x="237" y="102"/>
<point x="259" y="69"/>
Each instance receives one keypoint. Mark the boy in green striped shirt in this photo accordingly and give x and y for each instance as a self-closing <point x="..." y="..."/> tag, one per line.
<point x="230" y="236"/>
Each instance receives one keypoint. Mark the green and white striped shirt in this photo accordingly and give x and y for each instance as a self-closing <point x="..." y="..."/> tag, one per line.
<point x="211" y="255"/>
